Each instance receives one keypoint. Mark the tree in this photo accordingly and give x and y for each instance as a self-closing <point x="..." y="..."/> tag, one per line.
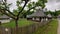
<point x="15" y="11"/>
<point x="1" y="14"/>
<point x="31" y="6"/>
<point x="4" y="9"/>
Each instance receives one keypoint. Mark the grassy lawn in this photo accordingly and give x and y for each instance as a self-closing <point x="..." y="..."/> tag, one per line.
<point x="21" y="23"/>
<point x="51" y="28"/>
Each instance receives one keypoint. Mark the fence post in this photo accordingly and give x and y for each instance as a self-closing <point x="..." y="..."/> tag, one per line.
<point x="0" y="23"/>
<point x="27" y="32"/>
<point x="11" y="30"/>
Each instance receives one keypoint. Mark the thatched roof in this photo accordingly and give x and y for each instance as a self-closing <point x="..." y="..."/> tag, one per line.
<point x="38" y="13"/>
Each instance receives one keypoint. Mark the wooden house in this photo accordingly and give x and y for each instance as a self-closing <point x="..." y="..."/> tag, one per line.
<point x="39" y="15"/>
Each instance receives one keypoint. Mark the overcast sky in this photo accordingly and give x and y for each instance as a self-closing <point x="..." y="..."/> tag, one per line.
<point x="53" y="4"/>
<point x="50" y="5"/>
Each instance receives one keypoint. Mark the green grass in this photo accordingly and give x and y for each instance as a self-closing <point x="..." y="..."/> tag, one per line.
<point x="51" y="28"/>
<point x="21" y="23"/>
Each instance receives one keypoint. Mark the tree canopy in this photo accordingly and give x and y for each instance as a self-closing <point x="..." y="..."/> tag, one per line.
<point x="31" y="5"/>
<point x="55" y="13"/>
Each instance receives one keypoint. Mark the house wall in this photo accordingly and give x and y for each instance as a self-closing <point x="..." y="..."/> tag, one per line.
<point x="41" y="19"/>
<point x="5" y="21"/>
<point x="33" y="18"/>
<point x="44" y="19"/>
<point x="37" y="19"/>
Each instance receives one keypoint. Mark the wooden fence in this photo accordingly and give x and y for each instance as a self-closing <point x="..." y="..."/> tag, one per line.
<point x="22" y="30"/>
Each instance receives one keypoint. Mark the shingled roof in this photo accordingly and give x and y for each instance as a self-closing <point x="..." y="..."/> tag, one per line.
<point x="38" y="13"/>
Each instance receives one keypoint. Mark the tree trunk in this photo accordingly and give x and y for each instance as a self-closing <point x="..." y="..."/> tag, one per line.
<point x="16" y="22"/>
<point x="0" y="23"/>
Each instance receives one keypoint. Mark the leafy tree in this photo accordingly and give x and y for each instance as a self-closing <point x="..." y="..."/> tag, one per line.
<point x="30" y="5"/>
<point x="1" y="14"/>
<point x="58" y="12"/>
<point x="55" y="13"/>
<point x="15" y="11"/>
<point x="4" y="9"/>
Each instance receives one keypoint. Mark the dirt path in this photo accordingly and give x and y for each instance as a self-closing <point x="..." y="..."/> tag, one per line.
<point x="58" y="31"/>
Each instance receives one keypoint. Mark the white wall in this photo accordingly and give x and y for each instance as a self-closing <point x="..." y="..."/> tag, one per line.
<point x="5" y="21"/>
<point x="33" y="19"/>
<point x="37" y="19"/>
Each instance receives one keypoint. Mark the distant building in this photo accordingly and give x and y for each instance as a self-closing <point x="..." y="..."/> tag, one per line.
<point x="49" y="16"/>
<point x="37" y="16"/>
<point x="4" y="19"/>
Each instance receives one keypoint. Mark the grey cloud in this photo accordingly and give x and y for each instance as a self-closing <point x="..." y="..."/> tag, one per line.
<point x="53" y="5"/>
<point x="13" y="6"/>
<point x="57" y="0"/>
<point x="50" y="5"/>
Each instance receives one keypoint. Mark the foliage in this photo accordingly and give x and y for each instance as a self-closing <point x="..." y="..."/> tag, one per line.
<point x="30" y="5"/>
<point x="58" y="12"/>
<point x="1" y="14"/>
<point x="15" y="12"/>
<point x="55" y="13"/>
<point x="4" y="9"/>
<point x="41" y="3"/>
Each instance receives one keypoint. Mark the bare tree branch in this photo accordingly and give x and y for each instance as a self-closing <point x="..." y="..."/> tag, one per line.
<point x="7" y="14"/>
<point x="31" y="8"/>
<point x="8" y="9"/>
<point x="21" y="10"/>
<point x="10" y="12"/>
